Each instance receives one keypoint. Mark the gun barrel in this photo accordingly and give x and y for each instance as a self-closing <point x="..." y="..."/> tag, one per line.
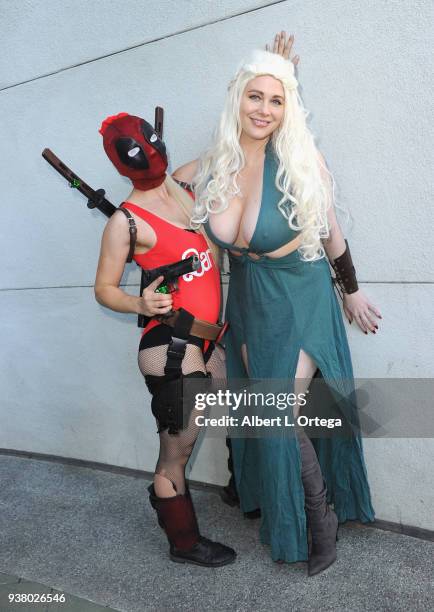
<point x="171" y="272"/>
<point x="182" y="267"/>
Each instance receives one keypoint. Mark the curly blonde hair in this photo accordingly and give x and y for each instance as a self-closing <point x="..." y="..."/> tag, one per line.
<point x="306" y="185"/>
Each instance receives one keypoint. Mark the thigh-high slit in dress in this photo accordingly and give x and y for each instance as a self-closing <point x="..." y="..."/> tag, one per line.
<point x="275" y="307"/>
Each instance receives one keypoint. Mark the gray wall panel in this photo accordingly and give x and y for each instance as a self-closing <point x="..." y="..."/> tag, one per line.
<point x="68" y="368"/>
<point x="401" y="480"/>
<point x="378" y="144"/>
<point x="44" y="36"/>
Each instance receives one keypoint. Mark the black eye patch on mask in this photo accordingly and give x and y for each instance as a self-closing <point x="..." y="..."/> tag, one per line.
<point x="126" y="149"/>
<point x="152" y="138"/>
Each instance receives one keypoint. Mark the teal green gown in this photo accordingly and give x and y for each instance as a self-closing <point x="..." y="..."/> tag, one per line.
<point x="277" y="307"/>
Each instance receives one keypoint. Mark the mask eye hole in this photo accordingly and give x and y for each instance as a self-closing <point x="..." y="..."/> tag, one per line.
<point x="153" y="139"/>
<point x="133" y="152"/>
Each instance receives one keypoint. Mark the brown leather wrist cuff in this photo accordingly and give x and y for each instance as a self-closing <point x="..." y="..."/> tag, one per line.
<point x="345" y="271"/>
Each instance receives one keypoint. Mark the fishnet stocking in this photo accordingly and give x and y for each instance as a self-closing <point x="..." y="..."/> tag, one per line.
<point x="175" y="449"/>
<point x="152" y="361"/>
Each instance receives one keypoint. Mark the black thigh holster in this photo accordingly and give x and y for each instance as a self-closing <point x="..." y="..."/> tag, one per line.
<point x="168" y="401"/>
<point x="167" y="391"/>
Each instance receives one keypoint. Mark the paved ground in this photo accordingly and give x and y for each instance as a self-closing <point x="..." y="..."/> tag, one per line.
<point x="92" y="535"/>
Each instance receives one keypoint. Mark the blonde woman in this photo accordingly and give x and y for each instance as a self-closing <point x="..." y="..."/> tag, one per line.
<point x="264" y="193"/>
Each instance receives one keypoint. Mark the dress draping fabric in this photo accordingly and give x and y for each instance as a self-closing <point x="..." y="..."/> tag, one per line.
<point x="277" y="307"/>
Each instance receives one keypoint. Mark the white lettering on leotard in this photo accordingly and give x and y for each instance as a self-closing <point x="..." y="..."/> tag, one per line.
<point x="205" y="261"/>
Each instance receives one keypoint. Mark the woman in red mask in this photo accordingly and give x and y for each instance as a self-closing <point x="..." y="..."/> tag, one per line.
<point x="178" y="341"/>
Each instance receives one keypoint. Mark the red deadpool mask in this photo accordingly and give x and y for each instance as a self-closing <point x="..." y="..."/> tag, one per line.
<point x="134" y="147"/>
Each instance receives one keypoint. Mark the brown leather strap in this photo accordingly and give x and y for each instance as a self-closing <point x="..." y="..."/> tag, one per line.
<point x="201" y="329"/>
<point x="184" y="185"/>
<point x="345" y="271"/>
<point x="133" y="232"/>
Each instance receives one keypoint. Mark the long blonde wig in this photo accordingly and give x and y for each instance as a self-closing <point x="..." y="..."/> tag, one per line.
<point x="186" y="204"/>
<point x="306" y="185"/>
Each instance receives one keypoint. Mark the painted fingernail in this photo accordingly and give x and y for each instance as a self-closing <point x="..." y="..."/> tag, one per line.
<point x="373" y="331"/>
<point x="376" y="326"/>
<point x="366" y="333"/>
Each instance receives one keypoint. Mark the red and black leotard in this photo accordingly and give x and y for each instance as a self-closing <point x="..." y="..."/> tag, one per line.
<point x="199" y="291"/>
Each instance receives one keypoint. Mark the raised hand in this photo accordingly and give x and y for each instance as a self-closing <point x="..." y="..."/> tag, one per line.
<point x="283" y="46"/>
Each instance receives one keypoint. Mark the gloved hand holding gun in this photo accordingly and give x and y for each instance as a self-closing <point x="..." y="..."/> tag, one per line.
<point x="160" y="282"/>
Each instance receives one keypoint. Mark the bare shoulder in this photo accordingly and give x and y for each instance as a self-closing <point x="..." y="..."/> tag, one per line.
<point x="117" y="221"/>
<point x="186" y="172"/>
<point x="116" y="232"/>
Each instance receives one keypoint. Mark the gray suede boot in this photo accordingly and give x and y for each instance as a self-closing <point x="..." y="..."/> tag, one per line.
<point x="321" y="519"/>
<point x="324" y="529"/>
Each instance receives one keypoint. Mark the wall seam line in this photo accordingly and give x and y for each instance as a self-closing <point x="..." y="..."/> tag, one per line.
<point x="142" y="44"/>
<point x="362" y="282"/>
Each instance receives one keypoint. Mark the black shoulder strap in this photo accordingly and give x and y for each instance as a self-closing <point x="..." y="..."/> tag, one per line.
<point x="184" y="185"/>
<point x="133" y="232"/>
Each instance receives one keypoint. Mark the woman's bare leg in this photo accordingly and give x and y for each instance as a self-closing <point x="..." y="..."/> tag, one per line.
<point x="175" y="449"/>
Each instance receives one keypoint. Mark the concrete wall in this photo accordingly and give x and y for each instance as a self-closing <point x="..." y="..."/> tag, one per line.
<point x="68" y="375"/>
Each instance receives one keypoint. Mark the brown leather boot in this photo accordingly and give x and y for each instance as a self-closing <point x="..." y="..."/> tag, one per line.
<point x="177" y="517"/>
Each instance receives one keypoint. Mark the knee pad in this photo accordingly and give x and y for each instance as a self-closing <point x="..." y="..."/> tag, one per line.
<point x="168" y="402"/>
